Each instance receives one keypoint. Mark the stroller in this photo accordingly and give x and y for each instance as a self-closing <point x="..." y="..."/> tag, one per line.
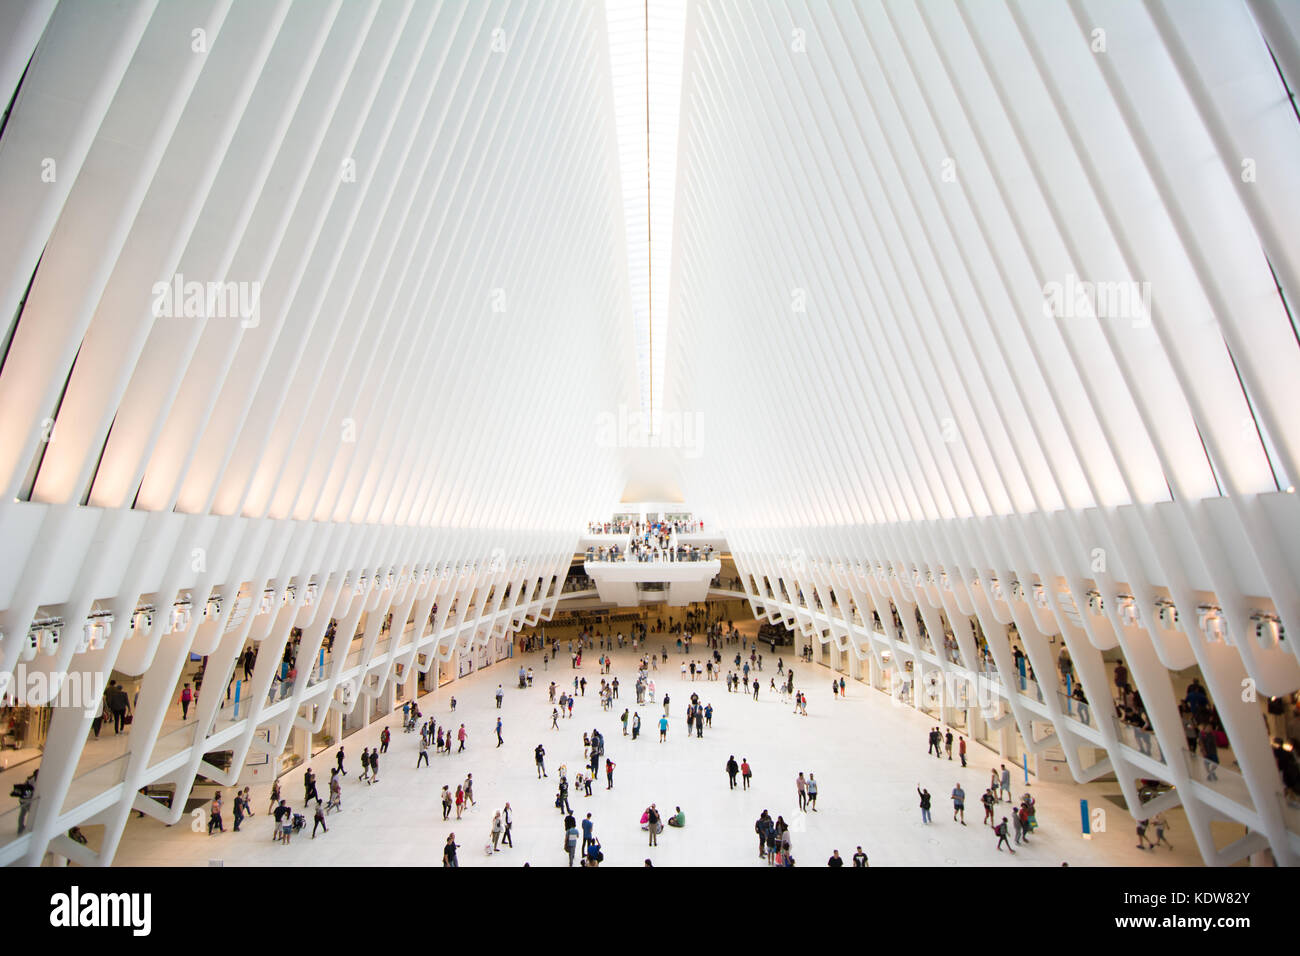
<point x="299" y="821"/>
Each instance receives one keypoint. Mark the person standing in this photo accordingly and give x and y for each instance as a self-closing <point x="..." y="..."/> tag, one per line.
<point x="988" y="800"/>
<point x="745" y="772"/>
<point x="460" y="800"/>
<point x="947" y="743"/>
<point x="497" y="829"/>
<point x="925" y="803"/>
<point x="812" y="793"/>
<point x="609" y="774"/>
<point x="636" y="726"/>
<point x="1005" y="783"/>
<point x="663" y="728"/>
<point x="801" y="786"/>
<point x="449" y="851"/>
<point x="733" y="769"/>
<point x="860" y="859"/>
<point x="586" y="833"/>
<point x="959" y="804"/>
<point x="652" y="818"/>
<point x="835" y="860"/>
<point x="446" y="802"/>
<point x="365" y="764"/>
<point x="961" y="750"/>
<point x="237" y="809"/>
<point x="539" y="756"/>
<point x="469" y="790"/>
<point x="384" y="737"/>
<point x="501" y="694"/>
<point x="187" y="696"/>
<point x="27" y="796"/>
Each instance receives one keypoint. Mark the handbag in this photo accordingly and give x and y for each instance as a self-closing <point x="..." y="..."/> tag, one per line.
<point x="126" y="721"/>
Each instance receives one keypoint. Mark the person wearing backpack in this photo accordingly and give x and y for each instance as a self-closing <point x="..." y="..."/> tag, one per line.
<point x="1001" y="831"/>
<point x="652" y="819"/>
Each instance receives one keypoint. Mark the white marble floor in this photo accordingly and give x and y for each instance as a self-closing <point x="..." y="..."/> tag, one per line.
<point x="868" y="755"/>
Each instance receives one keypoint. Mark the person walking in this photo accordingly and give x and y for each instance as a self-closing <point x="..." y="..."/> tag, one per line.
<point x="187" y="696"/>
<point x="424" y="753"/>
<point x="1158" y="822"/>
<point x="469" y="790"/>
<point x="449" y="851"/>
<point x="374" y="765"/>
<point x="636" y="726"/>
<point x="499" y="740"/>
<point x="835" y="860"/>
<point x="961" y="750"/>
<point x="609" y="774"/>
<point x="812" y="793"/>
<point x="497" y="829"/>
<point x="460" y="735"/>
<point x="733" y="770"/>
<point x="501" y="694"/>
<point x="365" y="764"/>
<point x="571" y="843"/>
<point x="446" y="802"/>
<point x="338" y="757"/>
<point x="745" y="772"/>
<point x="959" y="804"/>
<point x="801" y="785"/>
<point x="384" y="737"/>
<point x="505" y="835"/>
<point x="925" y="803"/>
<point x="460" y="800"/>
<point x="1001" y="831"/>
<point x="947" y="743"/>
<point x="988" y="800"/>
<point x="663" y="728"/>
<point x="860" y="859"/>
<point x="309" y="787"/>
<point x="319" y="819"/>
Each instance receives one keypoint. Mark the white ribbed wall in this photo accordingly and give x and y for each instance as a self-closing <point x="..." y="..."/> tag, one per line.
<point x="874" y="201"/>
<point x="411" y="417"/>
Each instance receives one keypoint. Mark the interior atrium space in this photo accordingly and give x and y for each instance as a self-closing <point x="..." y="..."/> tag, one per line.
<point x="626" y="433"/>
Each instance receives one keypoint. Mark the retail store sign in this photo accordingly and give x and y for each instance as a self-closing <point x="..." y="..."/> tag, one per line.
<point x="76" y="909"/>
<point x="36" y="688"/>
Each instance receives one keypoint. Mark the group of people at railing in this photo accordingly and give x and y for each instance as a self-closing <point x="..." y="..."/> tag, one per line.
<point x="640" y="553"/>
<point x="647" y="529"/>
